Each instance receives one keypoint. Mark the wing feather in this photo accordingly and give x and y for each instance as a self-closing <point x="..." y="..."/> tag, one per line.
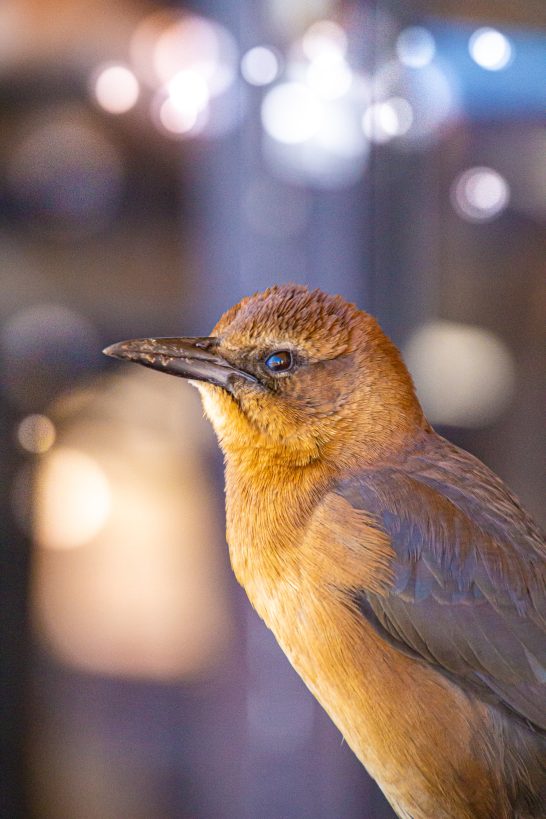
<point x="469" y="589"/>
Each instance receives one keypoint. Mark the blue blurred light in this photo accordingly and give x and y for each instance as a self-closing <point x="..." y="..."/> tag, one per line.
<point x="519" y="90"/>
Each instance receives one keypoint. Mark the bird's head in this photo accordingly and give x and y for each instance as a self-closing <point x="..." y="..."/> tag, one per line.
<point x="295" y="375"/>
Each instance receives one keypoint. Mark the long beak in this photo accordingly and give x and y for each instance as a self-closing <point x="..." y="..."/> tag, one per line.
<point x="184" y="357"/>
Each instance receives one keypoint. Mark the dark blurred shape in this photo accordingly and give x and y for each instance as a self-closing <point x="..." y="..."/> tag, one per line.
<point x="42" y="348"/>
<point x="272" y="209"/>
<point x="65" y="173"/>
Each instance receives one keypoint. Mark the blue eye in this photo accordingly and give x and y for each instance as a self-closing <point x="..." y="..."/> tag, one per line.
<point x="279" y="362"/>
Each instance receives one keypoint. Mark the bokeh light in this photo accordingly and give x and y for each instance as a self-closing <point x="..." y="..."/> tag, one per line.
<point x="116" y="88"/>
<point x="292" y="113"/>
<point x="144" y="41"/>
<point x="128" y="581"/>
<point x="36" y="433"/>
<point x="464" y="375"/>
<point x="260" y="65"/>
<point x="190" y="61"/>
<point x="313" y="133"/>
<point x="73" y="499"/>
<point x="200" y="45"/>
<point x="382" y="121"/>
<point x="420" y="103"/>
<point x="177" y="120"/>
<point x="415" y="47"/>
<point x="329" y="75"/>
<point x="480" y="194"/>
<point x="188" y="90"/>
<point x="490" y="49"/>
<point x="340" y="138"/>
<point x="182" y="108"/>
<point x="289" y="19"/>
<point x="332" y="158"/>
<point x="324" y="37"/>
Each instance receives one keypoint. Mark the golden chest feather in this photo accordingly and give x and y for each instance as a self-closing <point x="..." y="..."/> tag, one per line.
<point x="373" y="693"/>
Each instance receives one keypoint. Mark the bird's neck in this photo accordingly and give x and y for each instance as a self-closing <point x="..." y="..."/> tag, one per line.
<point x="270" y="501"/>
<point x="268" y="507"/>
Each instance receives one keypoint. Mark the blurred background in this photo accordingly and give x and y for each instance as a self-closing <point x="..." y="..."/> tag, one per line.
<point x="158" y="162"/>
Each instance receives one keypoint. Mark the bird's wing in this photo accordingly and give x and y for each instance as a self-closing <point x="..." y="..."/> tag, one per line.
<point x="468" y="588"/>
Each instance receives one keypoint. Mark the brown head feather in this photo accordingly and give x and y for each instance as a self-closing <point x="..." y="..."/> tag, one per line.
<point x="349" y="399"/>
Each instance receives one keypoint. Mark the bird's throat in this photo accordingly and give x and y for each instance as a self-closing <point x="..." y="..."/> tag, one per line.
<point x="267" y="511"/>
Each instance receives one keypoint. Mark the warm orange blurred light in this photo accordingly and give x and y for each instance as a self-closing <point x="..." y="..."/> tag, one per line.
<point x="195" y="43"/>
<point x="73" y="500"/>
<point x="145" y="597"/>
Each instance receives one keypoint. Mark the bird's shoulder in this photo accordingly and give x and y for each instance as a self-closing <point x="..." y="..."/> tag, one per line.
<point x="458" y="571"/>
<point x="443" y="508"/>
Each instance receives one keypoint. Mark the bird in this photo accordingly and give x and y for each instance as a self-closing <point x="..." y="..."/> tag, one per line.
<point x="401" y="577"/>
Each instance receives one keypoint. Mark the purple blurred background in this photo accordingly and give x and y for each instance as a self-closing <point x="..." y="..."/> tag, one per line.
<point x="159" y="162"/>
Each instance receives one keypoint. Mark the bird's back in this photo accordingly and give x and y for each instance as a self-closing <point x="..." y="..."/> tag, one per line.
<point x="467" y="598"/>
<point x="468" y="593"/>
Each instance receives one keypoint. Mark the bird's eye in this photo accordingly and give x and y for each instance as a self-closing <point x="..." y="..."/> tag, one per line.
<point x="279" y="362"/>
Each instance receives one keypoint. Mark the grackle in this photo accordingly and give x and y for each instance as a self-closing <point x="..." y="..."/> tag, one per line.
<point x="400" y="576"/>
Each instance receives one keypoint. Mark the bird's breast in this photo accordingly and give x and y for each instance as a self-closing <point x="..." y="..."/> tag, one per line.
<point x="396" y="714"/>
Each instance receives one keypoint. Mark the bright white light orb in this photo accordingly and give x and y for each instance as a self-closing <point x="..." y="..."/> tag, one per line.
<point x="73" y="500"/>
<point x="415" y="47"/>
<point x="490" y="49"/>
<point x="116" y="89"/>
<point x="329" y="75"/>
<point x="188" y="91"/>
<point x="382" y="121"/>
<point x="379" y="122"/>
<point x="260" y="66"/>
<point x="200" y="45"/>
<point x="480" y="194"/>
<point x="431" y="100"/>
<point x="324" y="37"/>
<point x="340" y="137"/>
<point x="464" y="375"/>
<point x="292" y="113"/>
<point x="177" y="119"/>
